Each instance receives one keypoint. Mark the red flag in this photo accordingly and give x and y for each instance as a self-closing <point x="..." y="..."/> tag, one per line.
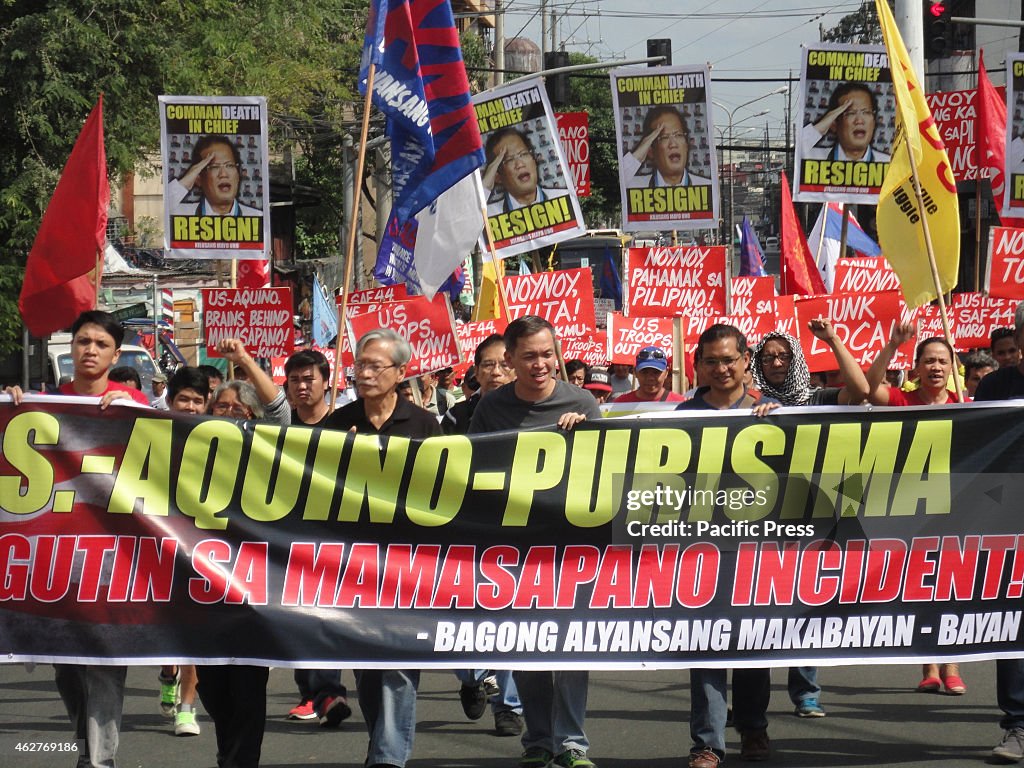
<point x="799" y="272"/>
<point x="253" y="273"/>
<point x="65" y="261"/>
<point x="991" y="138"/>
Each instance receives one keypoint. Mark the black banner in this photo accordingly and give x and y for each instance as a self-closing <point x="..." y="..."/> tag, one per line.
<point x="812" y="536"/>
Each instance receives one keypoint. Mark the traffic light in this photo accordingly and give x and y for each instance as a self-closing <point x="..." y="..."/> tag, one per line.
<point x="660" y="46"/>
<point x="557" y="85"/>
<point x="937" y="28"/>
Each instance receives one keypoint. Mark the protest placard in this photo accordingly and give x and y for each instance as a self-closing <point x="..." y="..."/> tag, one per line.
<point x="574" y="134"/>
<point x="865" y="274"/>
<point x="1004" y="272"/>
<point x="956" y="114"/>
<point x="628" y="335"/>
<point x="675" y="281"/>
<point x="862" y="322"/>
<point x="531" y="196"/>
<point x="215" y="173"/>
<point x="976" y="315"/>
<point x="591" y="348"/>
<point x="849" y="121"/>
<point x="753" y="295"/>
<point x="668" y="168"/>
<point x="471" y="334"/>
<point x="377" y="294"/>
<point x="1013" y="170"/>
<point x="260" y="317"/>
<point x="428" y="326"/>
<point x="565" y="298"/>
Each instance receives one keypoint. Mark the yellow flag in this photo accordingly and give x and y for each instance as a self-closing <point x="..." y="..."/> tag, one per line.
<point x="900" y="229"/>
<point x="487" y="304"/>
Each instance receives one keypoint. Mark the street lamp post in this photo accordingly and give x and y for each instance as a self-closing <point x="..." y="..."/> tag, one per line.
<point x="732" y="168"/>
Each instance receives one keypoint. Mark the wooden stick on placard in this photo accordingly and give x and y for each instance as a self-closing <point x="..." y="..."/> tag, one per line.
<point x="935" y="272"/>
<point x="843" y="231"/>
<point x="234" y="284"/>
<point x="350" y="247"/>
<point x="678" y="357"/>
<point x="977" y="230"/>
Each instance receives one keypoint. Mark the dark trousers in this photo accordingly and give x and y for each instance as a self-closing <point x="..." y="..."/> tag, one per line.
<point x="235" y="697"/>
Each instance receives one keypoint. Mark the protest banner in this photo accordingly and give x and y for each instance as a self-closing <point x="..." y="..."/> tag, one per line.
<point x="1004" y="271"/>
<point x="565" y="298"/>
<point x="574" y="135"/>
<point x="471" y="334"/>
<point x="1013" y="200"/>
<point x="956" y="115"/>
<point x="668" y="166"/>
<point x="819" y="536"/>
<point x="862" y="322"/>
<point x="628" y="335"/>
<point x="675" y="281"/>
<point x="848" y="119"/>
<point x="427" y="325"/>
<point x="216" y="179"/>
<point x="753" y="295"/>
<point x="865" y="274"/>
<point x="260" y="317"/>
<point x="976" y="315"/>
<point x="591" y="348"/>
<point x="532" y="197"/>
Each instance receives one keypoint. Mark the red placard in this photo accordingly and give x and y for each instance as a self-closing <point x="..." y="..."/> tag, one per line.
<point x="628" y="335"/>
<point x="471" y="334"/>
<point x="277" y="366"/>
<point x="754" y="327"/>
<point x="260" y="317"/>
<point x="1004" y="277"/>
<point x="976" y="315"/>
<point x="862" y="322"/>
<point x="865" y="275"/>
<point x="564" y="298"/>
<point x="675" y="281"/>
<point x="753" y="295"/>
<point x="785" y="315"/>
<point x="380" y="293"/>
<point x="955" y="114"/>
<point x="428" y="326"/>
<point x="591" y="348"/>
<point x="574" y="136"/>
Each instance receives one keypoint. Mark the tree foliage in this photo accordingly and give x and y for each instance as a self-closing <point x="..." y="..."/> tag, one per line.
<point x="860" y="27"/>
<point x="56" y="57"/>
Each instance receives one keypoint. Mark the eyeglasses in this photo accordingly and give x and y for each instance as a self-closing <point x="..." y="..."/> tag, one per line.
<point x="231" y="409"/>
<point x="222" y="166"/>
<point x="518" y="157"/>
<point x="651" y="354"/>
<point x="714" y="362"/>
<point x="865" y="113"/>
<point x="677" y="136"/>
<point x="490" y="365"/>
<point x="782" y="357"/>
<point x="374" y="369"/>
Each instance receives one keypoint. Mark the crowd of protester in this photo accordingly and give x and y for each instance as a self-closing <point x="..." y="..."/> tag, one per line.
<point x="517" y="381"/>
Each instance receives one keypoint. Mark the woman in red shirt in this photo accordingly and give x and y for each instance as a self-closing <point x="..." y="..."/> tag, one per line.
<point x="933" y="363"/>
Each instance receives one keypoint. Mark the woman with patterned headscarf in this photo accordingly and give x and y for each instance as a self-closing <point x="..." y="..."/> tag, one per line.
<point x="780" y="370"/>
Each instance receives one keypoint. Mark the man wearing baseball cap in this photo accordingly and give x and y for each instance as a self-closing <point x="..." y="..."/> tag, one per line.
<point x="651" y="372"/>
<point x="598" y="384"/>
<point x="159" y="385"/>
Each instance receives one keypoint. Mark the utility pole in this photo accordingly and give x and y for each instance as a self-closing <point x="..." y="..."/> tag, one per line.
<point x="910" y="22"/>
<point x="543" y="28"/>
<point x="499" y="42"/>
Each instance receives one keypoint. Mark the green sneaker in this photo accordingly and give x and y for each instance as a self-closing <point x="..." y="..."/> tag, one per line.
<point x="535" y="757"/>
<point x="573" y="758"/>
<point x="170" y="694"/>
<point x="185" y="724"/>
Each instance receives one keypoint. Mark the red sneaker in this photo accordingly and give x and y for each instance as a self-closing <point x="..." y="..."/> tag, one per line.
<point x="302" y="711"/>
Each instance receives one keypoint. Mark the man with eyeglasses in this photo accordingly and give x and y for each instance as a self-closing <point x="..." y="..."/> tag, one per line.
<point x="723" y="357"/>
<point x="555" y="702"/>
<point x="215" y="174"/>
<point x="491" y="371"/>
<point x="651" y="374"/>
<point x="511" y="173"/>
<point x="665" y="144"/>
<point x="850" y="118"/>
<point x="387" y="697"/>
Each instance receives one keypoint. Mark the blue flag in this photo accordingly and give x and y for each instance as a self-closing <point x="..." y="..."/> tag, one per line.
<point x="420" y="85"/>
<point x="611" y="282"/>
<point x="751" y="255"/>
<point x="856" y="237"/>
<point x="325" y="316"/>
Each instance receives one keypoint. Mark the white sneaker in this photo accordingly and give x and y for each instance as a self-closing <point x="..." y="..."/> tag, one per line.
<point x="185" y="724"/>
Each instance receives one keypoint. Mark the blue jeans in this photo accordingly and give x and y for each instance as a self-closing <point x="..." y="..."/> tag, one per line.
<point x="387" y="698"/>
<point x="803" y="684"/>
<point x="1010" y="692"/>
<point x="93" y="695"/>
<point x="751" y="689"/>
<point x="507" y="699"/>
<point x="554" y="708"/>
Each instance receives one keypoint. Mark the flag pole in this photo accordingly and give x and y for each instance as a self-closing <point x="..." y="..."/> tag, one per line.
<point x="350" y="247"/>
<point x="843" y="231"/>
<point x="935" y="271"/>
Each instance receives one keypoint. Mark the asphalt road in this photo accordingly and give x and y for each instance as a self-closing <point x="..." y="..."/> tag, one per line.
<point x="874" y="719"/>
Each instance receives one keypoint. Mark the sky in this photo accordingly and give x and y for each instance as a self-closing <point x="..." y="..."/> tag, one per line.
<point x="739" y="38"/>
